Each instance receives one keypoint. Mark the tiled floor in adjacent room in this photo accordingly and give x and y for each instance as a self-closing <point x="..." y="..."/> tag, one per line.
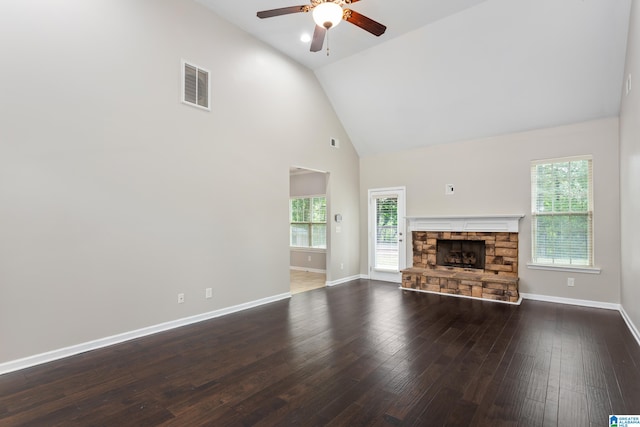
<point x="303" y="281"/>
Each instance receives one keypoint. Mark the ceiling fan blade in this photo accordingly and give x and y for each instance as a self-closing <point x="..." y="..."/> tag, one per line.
<point x="283" y="11"/>
<point x="368" y="24"/>
<point x="318" y="38"/>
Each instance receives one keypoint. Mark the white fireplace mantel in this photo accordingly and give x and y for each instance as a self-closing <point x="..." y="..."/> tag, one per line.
<point x="478" y="223"/>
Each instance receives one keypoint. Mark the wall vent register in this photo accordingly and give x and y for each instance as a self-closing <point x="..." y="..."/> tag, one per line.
<point x="195" y="86"/>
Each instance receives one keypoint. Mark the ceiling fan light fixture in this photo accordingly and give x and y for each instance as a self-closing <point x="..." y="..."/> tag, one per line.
<point x="327" y="14"/>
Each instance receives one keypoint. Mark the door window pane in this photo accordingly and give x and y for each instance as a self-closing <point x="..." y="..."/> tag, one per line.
<point x="386" y="244"/>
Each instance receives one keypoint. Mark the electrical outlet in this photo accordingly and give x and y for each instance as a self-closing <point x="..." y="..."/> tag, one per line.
<point x="448" y="189"/>
<point x="309" y="258"/>
<point x="341" y="266"/>
<point x="571" y="281"/>
<point x="180" y="298"/>
<point x="208" y="293"/>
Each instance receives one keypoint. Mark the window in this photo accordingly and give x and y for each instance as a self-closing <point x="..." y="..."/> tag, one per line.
<point x="387" y="246"/>
<point x="308" y="218"/>
<point x="562" y="217"/>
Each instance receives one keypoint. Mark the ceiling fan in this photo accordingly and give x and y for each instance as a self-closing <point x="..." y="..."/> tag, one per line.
<point x="327" y="14"/>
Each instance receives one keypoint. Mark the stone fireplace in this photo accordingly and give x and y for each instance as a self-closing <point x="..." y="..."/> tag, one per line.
<point x="465" y="256"/>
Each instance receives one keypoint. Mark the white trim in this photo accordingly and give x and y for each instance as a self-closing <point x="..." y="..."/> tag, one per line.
<point x="386" y="270"/>
<point x="401" y="193"/>
<point x="365" y="277"/>
<point x="390" y="279"/>
<point x="588" y="303"/>
<point x="481" y="223"/>
<point x="630" y="325"/>
<point x="571" y="301"/>
<point x="310" y="270"/>
<point x="562" y="159"/>
<point x="50" y="356"/>
<point x="308" y="249"/>
<point x="343" y="280"/>
<point x="184" y="62"/>
<point x="570" y="269"/>
<point x="462" y="296"/>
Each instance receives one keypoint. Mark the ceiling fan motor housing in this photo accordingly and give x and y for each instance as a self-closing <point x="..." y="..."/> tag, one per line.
<point x="327" y="14"/>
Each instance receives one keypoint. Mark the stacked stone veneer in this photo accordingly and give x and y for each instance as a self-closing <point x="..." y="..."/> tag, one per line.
<point x="498" y="280"/>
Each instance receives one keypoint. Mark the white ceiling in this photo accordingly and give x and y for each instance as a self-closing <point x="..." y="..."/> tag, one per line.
<point x="449" y="70"/>
<point x="283" y="32"/>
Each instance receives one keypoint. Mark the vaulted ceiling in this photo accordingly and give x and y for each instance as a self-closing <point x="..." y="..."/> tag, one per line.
<point x="450" y="70"/>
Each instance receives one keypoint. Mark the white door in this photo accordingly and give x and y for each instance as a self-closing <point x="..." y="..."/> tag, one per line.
<point x="387" y="247"/>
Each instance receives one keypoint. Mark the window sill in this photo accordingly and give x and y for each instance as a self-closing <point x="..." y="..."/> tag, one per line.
<point x="567" y="268"/>
<point x="303" y="249"/>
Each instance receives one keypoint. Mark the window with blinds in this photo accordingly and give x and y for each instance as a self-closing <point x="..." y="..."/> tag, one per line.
<point x="562" y="212"/>
<point x="386" y="244"/>
<point x="195" y="86"/>
<point x="308" y="218"/>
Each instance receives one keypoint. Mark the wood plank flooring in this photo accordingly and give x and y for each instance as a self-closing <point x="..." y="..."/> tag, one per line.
<point x="359" y="354"/>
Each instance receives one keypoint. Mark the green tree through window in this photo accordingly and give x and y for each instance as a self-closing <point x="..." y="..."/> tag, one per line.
<point x="386" y="245"/>
<point x="562" y="212"/>
<point x="308" y="218"/>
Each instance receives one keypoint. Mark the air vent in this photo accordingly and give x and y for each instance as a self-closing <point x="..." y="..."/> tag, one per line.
<point x="195" y="86"/>
<point x="334" y="143"/>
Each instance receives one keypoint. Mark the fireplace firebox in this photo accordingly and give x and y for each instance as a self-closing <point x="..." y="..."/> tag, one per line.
<point x="460" y="253"/>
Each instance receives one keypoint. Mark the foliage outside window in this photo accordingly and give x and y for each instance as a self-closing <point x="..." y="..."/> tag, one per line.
<point x="308" y="218"/>
<point x="387" y="247"/>
<point x="562" y="217"/>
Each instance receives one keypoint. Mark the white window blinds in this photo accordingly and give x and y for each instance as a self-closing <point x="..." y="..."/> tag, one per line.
<point x="308" y="218"/>
<point x="387" y="248"/>
<point x="562" y="211"/>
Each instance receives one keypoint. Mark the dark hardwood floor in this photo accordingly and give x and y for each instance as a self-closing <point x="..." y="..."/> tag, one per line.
<point x="360" y="354"/>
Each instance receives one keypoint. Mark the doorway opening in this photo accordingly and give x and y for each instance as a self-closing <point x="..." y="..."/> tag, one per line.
<point x="308" y="229"/>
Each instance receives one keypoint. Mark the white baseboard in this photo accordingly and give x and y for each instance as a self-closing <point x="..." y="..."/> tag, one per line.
<point x="343" y="280"/>
<point x="571" y="301"/>
<point x="630" y="325"/>
<point x="588" y="303"/>
<point x="50" y="356"/>
<point x="311" y="270"/>
<point x="461" y="296"/>
<point x="364" y="276"/>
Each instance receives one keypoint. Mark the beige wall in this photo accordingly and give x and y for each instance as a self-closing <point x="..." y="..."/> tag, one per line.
<point x="630" y="174"/>
<point x="115" y="197"/>
<point x="308" y="260"/>
<point x="308" y="184"/>
<point x="492" y="176"/>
